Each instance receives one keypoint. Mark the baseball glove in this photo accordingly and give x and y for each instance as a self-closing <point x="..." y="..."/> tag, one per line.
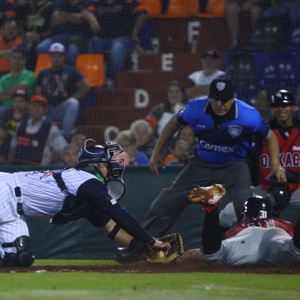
<point x="281" y="194"/>
<point x="208" y="197"/>
<point x="160" y="256"/>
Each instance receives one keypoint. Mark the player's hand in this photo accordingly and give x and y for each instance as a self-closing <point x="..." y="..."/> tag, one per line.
<point x="155" y="159"/>
<point x="280" y="174"/>
<point x="159" y="245"/>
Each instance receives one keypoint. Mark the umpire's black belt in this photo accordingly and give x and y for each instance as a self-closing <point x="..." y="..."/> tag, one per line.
<point x="18" y="194"/>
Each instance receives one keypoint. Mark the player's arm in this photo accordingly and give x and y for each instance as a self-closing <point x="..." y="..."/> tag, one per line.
<point x="120" y="236"/>
<point x="273" y="149"/>
<point x="107" y="211"/>
<point x="169" y="130"/>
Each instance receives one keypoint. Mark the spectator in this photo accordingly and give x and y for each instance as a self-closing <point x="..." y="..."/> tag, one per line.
<point x="179" y="153"/>
<point x="18" y="79"/>
<point x="144" y="136"/>
<point x="63" y="86"/>
<point x="163" y="112"/>
<point x="69" y="28"/>
<point x="233" y="10"/>
<point x="78" y="138"/>
<point x="187" y="133"/>
<point x="262" y="101"/>
<point x="117" y="25"/>
<point x="7" y="9"/>
<point x="4" y="144"/>
<point x="8" y="40"/>
<point x="128" y="142"/>
<point x="34" y="19"/>
<point x="13" y="116"/>
<point x="37" y="141"/>
<point x="69" y="155"/>
<point x="199" y="81"/>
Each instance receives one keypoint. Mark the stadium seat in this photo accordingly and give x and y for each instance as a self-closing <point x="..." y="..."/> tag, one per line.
<point x="92" y="67"/>
<point x="295" y="37"/>
<point x="280" y="71"/>
<point x="153" y="7"/>
<point x="267" y="35"/>
<point x="183" y="8"/>
<point x="241" y="69"/>
<point x="43" y="62"/>
<point x="216" y="7"/>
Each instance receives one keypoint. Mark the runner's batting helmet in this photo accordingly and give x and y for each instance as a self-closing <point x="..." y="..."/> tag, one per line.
<point x="257" y="207"/>
<point x="282" y="97"/>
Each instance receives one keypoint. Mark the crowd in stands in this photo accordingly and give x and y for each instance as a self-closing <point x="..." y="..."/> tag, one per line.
<point x="39" y="110"/>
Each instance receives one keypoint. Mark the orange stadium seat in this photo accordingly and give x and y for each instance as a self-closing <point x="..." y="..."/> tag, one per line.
<point x="183" y="8"/>
<point x="216" y="7"/>
<point x="92" y="68"/>
<point x="43" y="62"/>
<point x="153" y="7"/>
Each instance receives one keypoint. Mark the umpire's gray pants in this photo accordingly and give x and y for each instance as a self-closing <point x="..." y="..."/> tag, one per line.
<point x="170" y="203"/>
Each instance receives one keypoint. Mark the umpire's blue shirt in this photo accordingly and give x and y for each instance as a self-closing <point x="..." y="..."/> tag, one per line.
<point x="223" y="139"/>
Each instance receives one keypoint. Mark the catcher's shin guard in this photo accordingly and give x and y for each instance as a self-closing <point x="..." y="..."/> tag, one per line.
<point x="208" y="196"/>
<point x="24" y="256"/>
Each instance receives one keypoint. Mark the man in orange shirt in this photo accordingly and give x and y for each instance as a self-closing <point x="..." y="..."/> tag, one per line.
<point x="8" y="40"/>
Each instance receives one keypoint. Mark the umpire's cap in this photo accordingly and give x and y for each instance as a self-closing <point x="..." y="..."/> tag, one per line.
<point x="257" y="207"/>
<point x="221" y="89"/>
<point x="282" y="97"/>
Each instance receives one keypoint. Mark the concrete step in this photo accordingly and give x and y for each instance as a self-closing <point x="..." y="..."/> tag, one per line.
<point x="118" y="116"/>
<point x="130" y="97"/>
<point x="148" y="79"/>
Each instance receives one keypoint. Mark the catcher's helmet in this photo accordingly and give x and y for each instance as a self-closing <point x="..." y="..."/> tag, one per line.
<point x="258" y="208"/>
<point x="282" y="97"/>
<point x="94" y="152"/>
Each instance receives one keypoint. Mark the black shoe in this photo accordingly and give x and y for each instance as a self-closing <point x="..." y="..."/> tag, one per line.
<point x="126" y="256"/>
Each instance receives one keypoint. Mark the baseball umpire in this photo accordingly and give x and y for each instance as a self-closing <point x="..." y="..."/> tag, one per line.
<point x="258" y="240"/>
<point x="80" y="192"/>
<point x="224" y="127"/>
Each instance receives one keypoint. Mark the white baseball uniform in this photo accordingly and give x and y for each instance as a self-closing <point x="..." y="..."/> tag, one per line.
<point x="265" y="242"/>
<point x="40" y="196"/>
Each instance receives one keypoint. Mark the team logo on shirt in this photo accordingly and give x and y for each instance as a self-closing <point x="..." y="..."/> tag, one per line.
<point x="235" y="130"/>
<point x="221" y="86"/>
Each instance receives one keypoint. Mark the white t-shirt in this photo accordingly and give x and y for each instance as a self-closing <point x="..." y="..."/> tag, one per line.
<point x="199" y="77"/>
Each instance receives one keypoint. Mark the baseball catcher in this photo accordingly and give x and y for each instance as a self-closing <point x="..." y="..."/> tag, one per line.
<point x="90" y="190"/>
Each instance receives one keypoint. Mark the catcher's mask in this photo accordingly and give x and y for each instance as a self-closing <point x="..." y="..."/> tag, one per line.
<point x="107" y="152"/>
<point x="257" y="208"/>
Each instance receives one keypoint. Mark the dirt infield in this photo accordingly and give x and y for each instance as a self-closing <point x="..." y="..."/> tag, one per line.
<point x="156" y="268"/>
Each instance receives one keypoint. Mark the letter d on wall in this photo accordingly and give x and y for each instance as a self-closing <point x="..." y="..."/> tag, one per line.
<point x="141" y="98"/>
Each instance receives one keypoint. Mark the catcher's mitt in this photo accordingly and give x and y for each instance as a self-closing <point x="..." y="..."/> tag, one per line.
<point x="160" y="256"/>
<point x="208" y="196"/>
